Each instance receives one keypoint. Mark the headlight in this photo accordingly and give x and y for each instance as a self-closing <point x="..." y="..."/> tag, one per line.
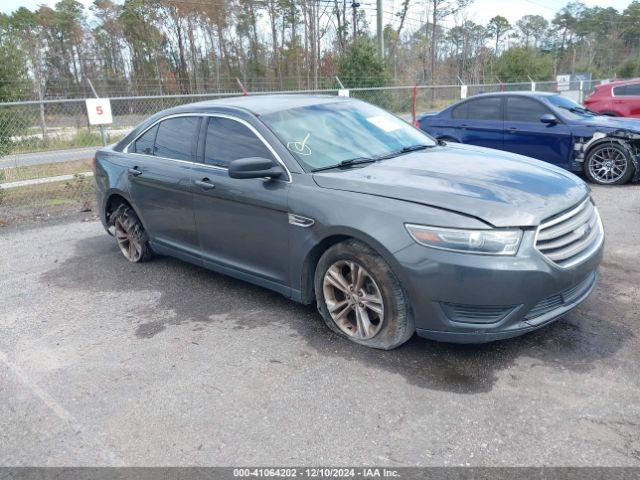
<point x="487" y="242"/>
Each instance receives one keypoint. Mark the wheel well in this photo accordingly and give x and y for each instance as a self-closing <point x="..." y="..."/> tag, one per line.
<point x="307" y="288"/>
<point x="114" y="201"/>
<point x="311" y="262"/>
<point x="619" y="142"/>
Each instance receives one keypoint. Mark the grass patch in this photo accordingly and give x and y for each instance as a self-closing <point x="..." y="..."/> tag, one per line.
<point x="30" y="172"/>
<point x="47" y="199"/>
<point x="83" y="138"/>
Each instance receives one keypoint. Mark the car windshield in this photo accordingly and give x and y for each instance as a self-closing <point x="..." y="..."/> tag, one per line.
<point x="569" y="107"/>
<point x="343" y="133"/>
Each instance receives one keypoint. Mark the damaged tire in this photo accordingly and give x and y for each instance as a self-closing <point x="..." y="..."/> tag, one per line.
<point x="130" y="234"/>
<point x="360" y="298"/>
<point x="609" y="164"/>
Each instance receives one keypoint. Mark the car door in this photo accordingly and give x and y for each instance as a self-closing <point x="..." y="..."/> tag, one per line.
<point x="479" y="121"/>
<point x="626" y="99"/>
<point x="527" y="135"/>
<point x="160" y="182"/>
<point x="242" y="224"/>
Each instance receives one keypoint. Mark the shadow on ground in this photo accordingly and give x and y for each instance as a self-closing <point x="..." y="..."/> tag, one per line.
<point x="203" y="297"/>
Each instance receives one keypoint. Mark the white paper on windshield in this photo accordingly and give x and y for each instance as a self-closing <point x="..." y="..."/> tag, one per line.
<point x="384" y="123"/>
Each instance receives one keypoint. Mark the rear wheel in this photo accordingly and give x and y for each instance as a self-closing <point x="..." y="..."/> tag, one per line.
<point x="130" y="234"/>
<point x="609" y="164"/>
<point x="360" y="298"/>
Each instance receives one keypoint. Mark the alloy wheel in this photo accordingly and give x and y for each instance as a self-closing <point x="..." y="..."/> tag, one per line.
<point x="129" y="245"/>
<point x="608" y="165"/>
<point x="353" y="299"/>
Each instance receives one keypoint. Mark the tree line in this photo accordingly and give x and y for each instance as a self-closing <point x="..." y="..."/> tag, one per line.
<point x="161" y="47"/>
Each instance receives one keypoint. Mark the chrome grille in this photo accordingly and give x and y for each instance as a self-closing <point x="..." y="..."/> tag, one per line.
<point x="572" y="237"/>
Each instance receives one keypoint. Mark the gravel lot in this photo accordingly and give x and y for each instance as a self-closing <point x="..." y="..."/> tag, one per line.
<point x="107" y="363"/>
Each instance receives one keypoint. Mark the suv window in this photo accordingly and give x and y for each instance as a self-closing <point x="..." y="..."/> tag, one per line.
<point x="144" y="143"/>
<point x="229" y="140"/>
<point x="520" y="109"/>
<point x="489" y="108"/>
<point x="176" y="138"/>
<point x="627" y="90"/>
<point x="460" y="111"/>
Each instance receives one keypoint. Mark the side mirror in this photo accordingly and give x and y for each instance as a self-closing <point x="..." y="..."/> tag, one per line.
<point x="254" y="167"/>
<point x="549" y="119"/>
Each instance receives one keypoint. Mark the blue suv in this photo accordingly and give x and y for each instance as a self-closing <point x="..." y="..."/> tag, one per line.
<point x="545" y="126"/>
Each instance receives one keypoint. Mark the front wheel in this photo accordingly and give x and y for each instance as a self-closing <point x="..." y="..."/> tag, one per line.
<point x="360" y="298"/>
<point x="609" y="164"/>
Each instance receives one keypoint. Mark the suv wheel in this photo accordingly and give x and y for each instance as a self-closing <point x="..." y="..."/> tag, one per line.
<point x="130" y="235"/>
<point x="609" y="164"/>
<point x="360" y="298"/>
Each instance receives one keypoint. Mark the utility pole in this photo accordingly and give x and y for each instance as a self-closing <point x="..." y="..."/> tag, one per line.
<point x="379" y="28"/>
<point x="354" y="5"/>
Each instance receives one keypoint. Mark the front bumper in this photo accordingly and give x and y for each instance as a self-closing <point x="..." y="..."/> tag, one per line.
<point x="511" y="295"/>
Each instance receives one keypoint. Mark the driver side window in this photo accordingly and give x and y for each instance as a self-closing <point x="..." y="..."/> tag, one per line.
<point x="521" y="109"/>
<point x="229" y="140"/>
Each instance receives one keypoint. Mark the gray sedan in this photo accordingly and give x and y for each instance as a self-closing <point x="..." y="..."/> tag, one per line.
<point x="335" y="201"/>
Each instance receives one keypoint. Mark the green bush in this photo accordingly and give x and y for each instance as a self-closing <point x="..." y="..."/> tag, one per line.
<point x="519" y="63"/>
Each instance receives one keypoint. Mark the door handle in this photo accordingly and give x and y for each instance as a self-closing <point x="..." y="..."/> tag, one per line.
<point x="205" y="183"/>
<point x="463" y="126"/>
<point x="135" y="172"/>
<point x="512" y="129"/>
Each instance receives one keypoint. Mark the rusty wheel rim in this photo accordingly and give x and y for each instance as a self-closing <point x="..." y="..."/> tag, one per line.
<point x="129" y="246"/>
<point x="353" y="299"/>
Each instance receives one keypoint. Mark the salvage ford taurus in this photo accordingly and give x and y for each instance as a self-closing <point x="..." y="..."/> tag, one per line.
<point x="335" y="201"/>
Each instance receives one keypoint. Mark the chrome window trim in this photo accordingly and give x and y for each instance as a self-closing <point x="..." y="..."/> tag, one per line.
<point x="613" y="90"/>
<point x="215" y="167"/>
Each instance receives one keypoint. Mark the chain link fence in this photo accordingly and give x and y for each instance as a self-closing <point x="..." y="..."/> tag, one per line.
<point x="48" y="145"/>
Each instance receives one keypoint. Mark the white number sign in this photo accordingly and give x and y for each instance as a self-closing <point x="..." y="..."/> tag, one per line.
<point x="99" y="111"/>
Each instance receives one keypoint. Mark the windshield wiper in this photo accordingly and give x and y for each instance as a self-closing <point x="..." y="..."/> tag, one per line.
<point x="347" y="163"/>
<point x="412" y="148"/>
<point x="362" y="160"/>
<point x="580" y="110"/>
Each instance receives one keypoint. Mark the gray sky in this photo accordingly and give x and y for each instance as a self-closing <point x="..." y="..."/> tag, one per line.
<point x="480" y="11"/>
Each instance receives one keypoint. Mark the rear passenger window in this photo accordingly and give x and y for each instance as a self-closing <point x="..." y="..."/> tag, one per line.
<point x="229" y="140"/>
<point x="520" y="109"/>
<point x="627" y="90"/>
<point x="144" y="143"/>
<point x="484" y="109"/>
<point x="176" y="138"/>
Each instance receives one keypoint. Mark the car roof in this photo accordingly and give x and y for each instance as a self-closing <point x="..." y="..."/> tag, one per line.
<point x="262" y="104"/>
<point x="615" y="83"/>
<point x="523" y="93"/>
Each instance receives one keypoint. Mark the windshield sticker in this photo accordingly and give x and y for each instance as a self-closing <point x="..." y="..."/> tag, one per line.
<point x="301" y="148"/>
<point x="384" y="123"/>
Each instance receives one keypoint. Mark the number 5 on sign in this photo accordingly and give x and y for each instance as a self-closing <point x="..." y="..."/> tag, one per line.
<point x="99" y="111"/>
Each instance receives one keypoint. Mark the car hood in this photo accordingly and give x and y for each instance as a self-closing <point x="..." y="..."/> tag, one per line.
<point x="613" y="123"/>
<point x="500" y="188"/>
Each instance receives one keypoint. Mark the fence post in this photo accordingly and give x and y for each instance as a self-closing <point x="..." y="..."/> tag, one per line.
<point x="413" y="106"/>
<point x="581" y="92"/>
<point x="43" y="121"/>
